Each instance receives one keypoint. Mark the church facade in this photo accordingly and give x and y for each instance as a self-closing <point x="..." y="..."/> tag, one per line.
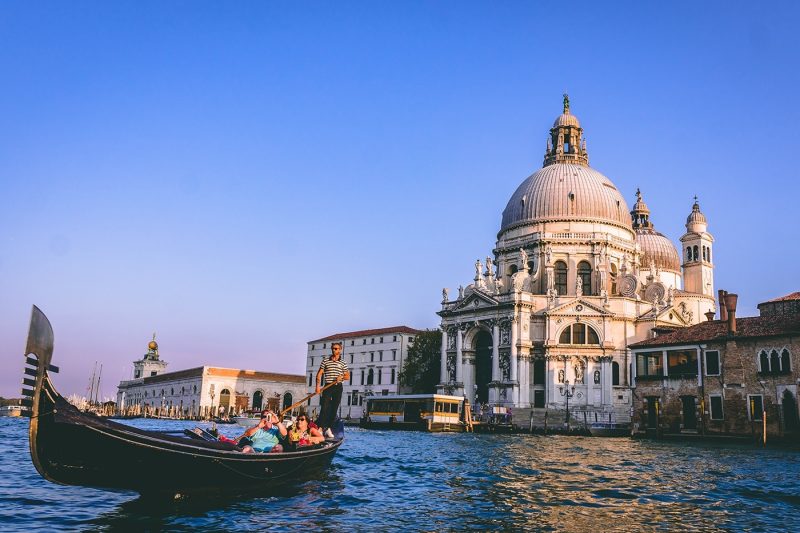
<point x="574" y="278"/>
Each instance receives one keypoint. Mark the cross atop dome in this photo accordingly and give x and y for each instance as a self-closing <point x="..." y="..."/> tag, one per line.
<point x="566" y="143"/>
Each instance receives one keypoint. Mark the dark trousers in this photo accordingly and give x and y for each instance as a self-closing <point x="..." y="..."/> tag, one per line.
<point x="329" y="406"/>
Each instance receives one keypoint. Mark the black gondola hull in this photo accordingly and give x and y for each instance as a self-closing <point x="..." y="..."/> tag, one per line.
<point x="76" y="448"/>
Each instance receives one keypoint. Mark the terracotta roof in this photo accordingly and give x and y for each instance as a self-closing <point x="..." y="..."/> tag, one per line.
<point x="223" y="372"/>
<point x="756" y="326"/>
<point x="254" y="374"/>
<point x="368" y="332"/>
<point x="793" y="296"/>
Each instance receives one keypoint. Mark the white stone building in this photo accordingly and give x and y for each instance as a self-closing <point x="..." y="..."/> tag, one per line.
<point x="573" y="279"/>
<point x="203" y="391"/>
<point x="374" y="357"/>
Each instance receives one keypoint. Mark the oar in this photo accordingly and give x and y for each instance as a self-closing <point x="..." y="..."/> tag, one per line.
<point x="329" y="385"/>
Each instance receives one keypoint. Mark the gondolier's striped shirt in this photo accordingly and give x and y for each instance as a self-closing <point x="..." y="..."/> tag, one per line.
<point x="333" y="370"/>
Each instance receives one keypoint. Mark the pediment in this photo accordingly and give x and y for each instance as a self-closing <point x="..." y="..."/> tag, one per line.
<point x="578" y="307"/>
<point x="668" y="316"/>
<point x="476" y="300"/>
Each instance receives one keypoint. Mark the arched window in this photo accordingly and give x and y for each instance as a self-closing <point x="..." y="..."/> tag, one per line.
<point x="585" y="273"/>
<point x="774" y="361"/>
<point x="258" y="398"/>
<point x="614" y="373"/>
<point x="763" y="360"/>
<point x="695" y="254"/>
<point x="579" y="334"/>
<point x="708" y="251"/>
<point x="613" y="277"/>
<point x="786" y="365"/>
<point x="370" y="376"/>
<point x="561" y="277"/>
<point x="688" y="253"/>
<point x="287" y="400"/>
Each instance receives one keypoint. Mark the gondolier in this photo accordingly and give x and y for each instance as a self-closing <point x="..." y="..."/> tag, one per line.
<point x="332" y="370"/>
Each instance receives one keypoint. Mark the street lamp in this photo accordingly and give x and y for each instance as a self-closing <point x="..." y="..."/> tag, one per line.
<point x="567" y="392"/>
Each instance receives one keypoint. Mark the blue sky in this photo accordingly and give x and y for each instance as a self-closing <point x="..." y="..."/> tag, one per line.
<point x="242" y="178"/>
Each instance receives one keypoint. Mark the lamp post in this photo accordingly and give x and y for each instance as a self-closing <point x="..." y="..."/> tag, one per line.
<point x="567" y="392"/>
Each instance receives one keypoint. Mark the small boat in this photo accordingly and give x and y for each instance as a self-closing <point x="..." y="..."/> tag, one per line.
<point x="13" y="410"/>
<point x="76" y="448"/>
<point x="609" y="429"/>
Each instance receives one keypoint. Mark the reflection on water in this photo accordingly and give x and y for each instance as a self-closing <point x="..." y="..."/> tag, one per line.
<point x="443" y="482"/>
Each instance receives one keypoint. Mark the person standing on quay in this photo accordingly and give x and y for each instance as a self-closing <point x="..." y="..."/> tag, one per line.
<point x="334" y="370"/>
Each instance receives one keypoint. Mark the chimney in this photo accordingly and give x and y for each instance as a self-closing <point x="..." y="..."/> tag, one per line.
<point x="730" y="305"/>
<point x="710" y="315"/>
<point x="723" y="311"/>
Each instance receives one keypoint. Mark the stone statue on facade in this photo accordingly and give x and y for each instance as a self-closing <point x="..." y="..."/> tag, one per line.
<point x="561" y="376"/>
<point x="548" y="254"/>
<point x="489" y="267"/>
<point x="445" y="293"/>
<point x="579" y="373"/>
<point x="596" y="377"/>
<point x="460" y="292"/>
<point x="478" y="268"/>
<point x="523" y="258"/>
<point x="498" y="286"/>
<point x="579" y="286"/>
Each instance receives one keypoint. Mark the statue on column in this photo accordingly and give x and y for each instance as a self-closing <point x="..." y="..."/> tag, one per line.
<point x="460" y="292"/>
<point x="478" y="268"/>
<point x="445" y="293"/>
<point x="523" y="257"/>
<point x="489" y="267"/>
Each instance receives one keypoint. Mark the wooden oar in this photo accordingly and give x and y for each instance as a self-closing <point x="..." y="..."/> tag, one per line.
<point x="297" y="404"/>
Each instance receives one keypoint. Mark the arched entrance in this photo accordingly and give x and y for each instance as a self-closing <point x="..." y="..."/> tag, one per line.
<point x="258" y="400"/>
<point x="224" y="401"/>
<point x="483" y="365"/>
<point x="790" y="416"/>
<point x="287" y="400"/>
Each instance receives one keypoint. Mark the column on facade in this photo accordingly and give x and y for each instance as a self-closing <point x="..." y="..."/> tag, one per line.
<point x="664" y="362"/>
<point x="459" y="356"/>
<point x="524" y="380"/>
<point x="443" y="373"/>
<point x="514" y="362"/>
<point x="605" y="379"/>
<point x="496" y="352"/>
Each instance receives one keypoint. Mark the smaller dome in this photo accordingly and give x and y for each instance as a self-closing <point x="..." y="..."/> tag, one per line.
<point x="567" y="119"/>
<point x="639" y="206"/>
<point x="696" y="216"/>
<point x="659" y="249"/>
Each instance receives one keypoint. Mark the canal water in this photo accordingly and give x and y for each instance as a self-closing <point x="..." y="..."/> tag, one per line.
<point x="435" y="482"/>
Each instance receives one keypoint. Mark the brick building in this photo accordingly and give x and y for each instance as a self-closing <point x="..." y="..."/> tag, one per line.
<point x="722" y="376"/>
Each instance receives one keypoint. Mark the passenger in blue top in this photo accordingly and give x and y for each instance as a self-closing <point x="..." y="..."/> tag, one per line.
<point x="266" y="435"/>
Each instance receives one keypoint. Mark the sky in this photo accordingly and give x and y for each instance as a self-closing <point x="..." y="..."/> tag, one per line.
<point x="243" y="178"/>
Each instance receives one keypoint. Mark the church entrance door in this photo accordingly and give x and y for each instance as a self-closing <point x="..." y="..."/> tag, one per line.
<point x="483" y="366"/>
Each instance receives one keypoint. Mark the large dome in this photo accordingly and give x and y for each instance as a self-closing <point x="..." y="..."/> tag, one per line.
<point x="658" y="249"/>
<point x="564" y="191"/>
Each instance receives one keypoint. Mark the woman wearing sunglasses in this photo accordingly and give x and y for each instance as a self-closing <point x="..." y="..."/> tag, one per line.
<point x="304" y="434"/>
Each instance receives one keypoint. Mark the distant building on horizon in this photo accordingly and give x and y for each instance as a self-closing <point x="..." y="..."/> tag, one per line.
<point x="375" y="358"/>
<point x="203" y="391"/>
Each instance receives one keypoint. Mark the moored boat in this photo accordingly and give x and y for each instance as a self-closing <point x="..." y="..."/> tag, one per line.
<point x="76" y="448"/>
<point x="421" y="412"/>
<point x="609" y="429"/>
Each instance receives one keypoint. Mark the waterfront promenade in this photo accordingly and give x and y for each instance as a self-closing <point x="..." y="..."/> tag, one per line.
<point x="440" y="482"/>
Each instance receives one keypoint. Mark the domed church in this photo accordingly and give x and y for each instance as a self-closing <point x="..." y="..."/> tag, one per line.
<point x="574" y="278"/>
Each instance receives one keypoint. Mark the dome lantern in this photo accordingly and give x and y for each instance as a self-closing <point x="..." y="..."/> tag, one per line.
<point x="656" y="247"/>
<point x="566" y="143"/>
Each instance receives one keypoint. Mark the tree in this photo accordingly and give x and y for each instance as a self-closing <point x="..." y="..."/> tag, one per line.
<point x="422" y="367"/>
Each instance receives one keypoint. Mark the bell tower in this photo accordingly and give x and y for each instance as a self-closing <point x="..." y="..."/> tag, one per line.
<point x="150" y="364"/>
<point x="698" y="267"/>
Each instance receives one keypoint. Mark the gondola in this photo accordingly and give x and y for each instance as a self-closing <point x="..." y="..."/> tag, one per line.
<point x="76" y="448"/>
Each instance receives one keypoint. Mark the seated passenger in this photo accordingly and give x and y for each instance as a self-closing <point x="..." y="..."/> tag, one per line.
<point x="304" y="435"/>
<point x="266" y="435"/>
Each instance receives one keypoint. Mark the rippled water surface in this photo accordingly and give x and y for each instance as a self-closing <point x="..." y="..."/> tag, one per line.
<point x="418" y="481"/>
